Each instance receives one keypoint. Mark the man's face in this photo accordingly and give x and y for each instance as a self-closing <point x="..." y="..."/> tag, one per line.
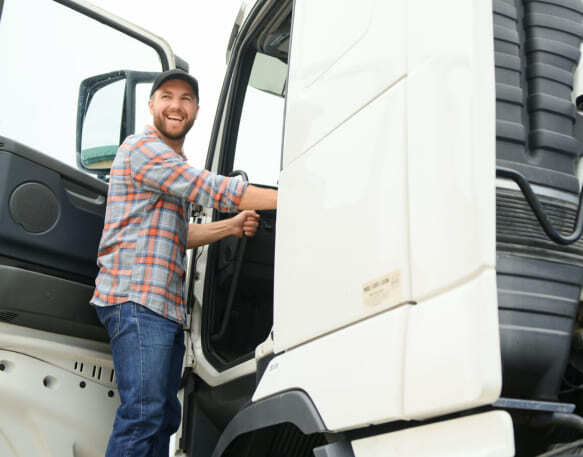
<point x="174" y="108"/>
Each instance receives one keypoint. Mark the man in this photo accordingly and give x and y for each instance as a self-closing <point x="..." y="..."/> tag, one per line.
<point x="139" y="293"/>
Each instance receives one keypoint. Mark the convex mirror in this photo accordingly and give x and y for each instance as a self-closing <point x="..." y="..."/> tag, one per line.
<point x="110" y="107"/>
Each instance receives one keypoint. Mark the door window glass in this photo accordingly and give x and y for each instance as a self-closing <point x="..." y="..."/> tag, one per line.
<point x="102" y="123"/>
<point x="47" y="49"/>
<point x="259" y="139"/>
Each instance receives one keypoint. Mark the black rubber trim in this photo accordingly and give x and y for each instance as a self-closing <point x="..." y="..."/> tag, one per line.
<point x="511" y="131"/>
<point x="508" y="93"/>
<point x="542" y="70"/>
<point x="293" y="407"/>
<point x="557" y="48"/>
<point x="107" y="21"/>
<point x="505" y="9"/>
<point x="505" y="34"/>
<point x="558" y="142"/>
<point x="338" y="449"/>
<point x="554" y="23"/>
<point x="574" y="5"/>
<point x="555" y="105"/>
<point x="507" y="61"/>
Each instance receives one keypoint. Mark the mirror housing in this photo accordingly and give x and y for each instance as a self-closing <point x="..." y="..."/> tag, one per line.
<point x="119" y="88"/>
<point x="269" y="74"/>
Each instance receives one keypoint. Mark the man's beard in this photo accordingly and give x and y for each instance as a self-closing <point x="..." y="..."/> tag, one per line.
<point x="159" y="124"/>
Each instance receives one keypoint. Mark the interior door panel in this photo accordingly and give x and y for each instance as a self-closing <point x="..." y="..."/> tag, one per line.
<point x="51" y="218"/>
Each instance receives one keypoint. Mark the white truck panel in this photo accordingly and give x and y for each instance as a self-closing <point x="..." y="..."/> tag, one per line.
<point x="451" y="143"/>
<point x="453" y="350"/>
<point x="366" y="359"/>
<point x="453" y="438"/>
<point x="46" y="413"/>
<point x="341" y="58"/>
<point x="366" y="189"/>
<point x="411" y="362"/>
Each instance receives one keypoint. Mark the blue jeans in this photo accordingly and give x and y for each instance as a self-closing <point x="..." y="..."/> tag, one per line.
<point x="147" y="357"/>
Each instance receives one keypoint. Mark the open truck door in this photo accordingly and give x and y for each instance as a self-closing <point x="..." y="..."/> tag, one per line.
<point x="57" y="385"/>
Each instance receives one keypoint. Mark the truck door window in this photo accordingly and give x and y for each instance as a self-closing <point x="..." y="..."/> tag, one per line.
<point x="238" y="299"/>
<point x="258" y="147"/>
<point x="47" y="49"/>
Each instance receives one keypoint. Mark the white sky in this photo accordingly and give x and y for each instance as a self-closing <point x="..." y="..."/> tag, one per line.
<point x="198" y="31"/>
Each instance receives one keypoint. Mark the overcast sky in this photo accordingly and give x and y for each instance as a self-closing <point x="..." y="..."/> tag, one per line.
<point x="198" y="31"/>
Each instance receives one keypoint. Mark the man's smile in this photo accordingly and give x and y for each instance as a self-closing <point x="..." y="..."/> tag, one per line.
<point x="174" y="117"/>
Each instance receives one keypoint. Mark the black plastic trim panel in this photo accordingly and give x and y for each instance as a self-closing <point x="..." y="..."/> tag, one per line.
<point x="518" y="230"/>
<point x="510" y="130"/>
<point x="72" y="174"/>
<point x="71" y="243"/>
<point x="44" y="302"/>
<point x="536" y="46"/>
<point x="537" y="306"/>
<point x="553" y="38"/>
<point x="339" y="449"/>
<point x="541" y="176"/>
<point x="293" y="407"/>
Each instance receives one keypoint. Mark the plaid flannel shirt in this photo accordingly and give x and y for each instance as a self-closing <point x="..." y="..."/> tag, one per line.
<point x="141" y="255"/>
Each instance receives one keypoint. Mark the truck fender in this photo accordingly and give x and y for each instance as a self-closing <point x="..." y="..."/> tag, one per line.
<point x="294" y="406"/>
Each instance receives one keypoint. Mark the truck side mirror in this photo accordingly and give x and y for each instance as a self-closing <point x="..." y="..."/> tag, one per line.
<point x="109" y="107"/>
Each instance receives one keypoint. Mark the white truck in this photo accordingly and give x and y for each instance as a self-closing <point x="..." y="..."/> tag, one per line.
<point x="417" y="292"/>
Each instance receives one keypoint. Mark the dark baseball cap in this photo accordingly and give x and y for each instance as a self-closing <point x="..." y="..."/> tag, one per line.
<point x="175" y="74"/>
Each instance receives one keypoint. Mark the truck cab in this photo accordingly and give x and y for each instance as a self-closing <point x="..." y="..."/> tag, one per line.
<point x="416" y="293"/>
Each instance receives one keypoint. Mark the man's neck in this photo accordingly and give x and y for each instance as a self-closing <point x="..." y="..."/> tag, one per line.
<point x="176" y="145"/>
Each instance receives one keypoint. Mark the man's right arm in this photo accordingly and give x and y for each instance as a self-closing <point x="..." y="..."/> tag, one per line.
<point x="258" y="198"/>
<point x="155" y="167"/>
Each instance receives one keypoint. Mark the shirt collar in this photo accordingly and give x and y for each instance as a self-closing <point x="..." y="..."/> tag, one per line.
<point x="151" y="131"/>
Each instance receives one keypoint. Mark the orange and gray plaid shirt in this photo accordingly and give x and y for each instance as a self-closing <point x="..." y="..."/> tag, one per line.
<point x="141" y="255"/>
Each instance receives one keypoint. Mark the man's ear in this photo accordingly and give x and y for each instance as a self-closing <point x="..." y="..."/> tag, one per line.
<point x="196" y="112"/>
<point x="151" y="105"/>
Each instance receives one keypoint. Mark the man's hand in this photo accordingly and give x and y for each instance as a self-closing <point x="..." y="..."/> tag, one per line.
<point x="245" y="223"/>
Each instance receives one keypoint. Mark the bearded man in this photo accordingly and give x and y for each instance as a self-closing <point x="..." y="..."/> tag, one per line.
<point x="139" y="291"/>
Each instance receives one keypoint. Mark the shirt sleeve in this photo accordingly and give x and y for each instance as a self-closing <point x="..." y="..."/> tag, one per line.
<point x="157" y="168"/>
